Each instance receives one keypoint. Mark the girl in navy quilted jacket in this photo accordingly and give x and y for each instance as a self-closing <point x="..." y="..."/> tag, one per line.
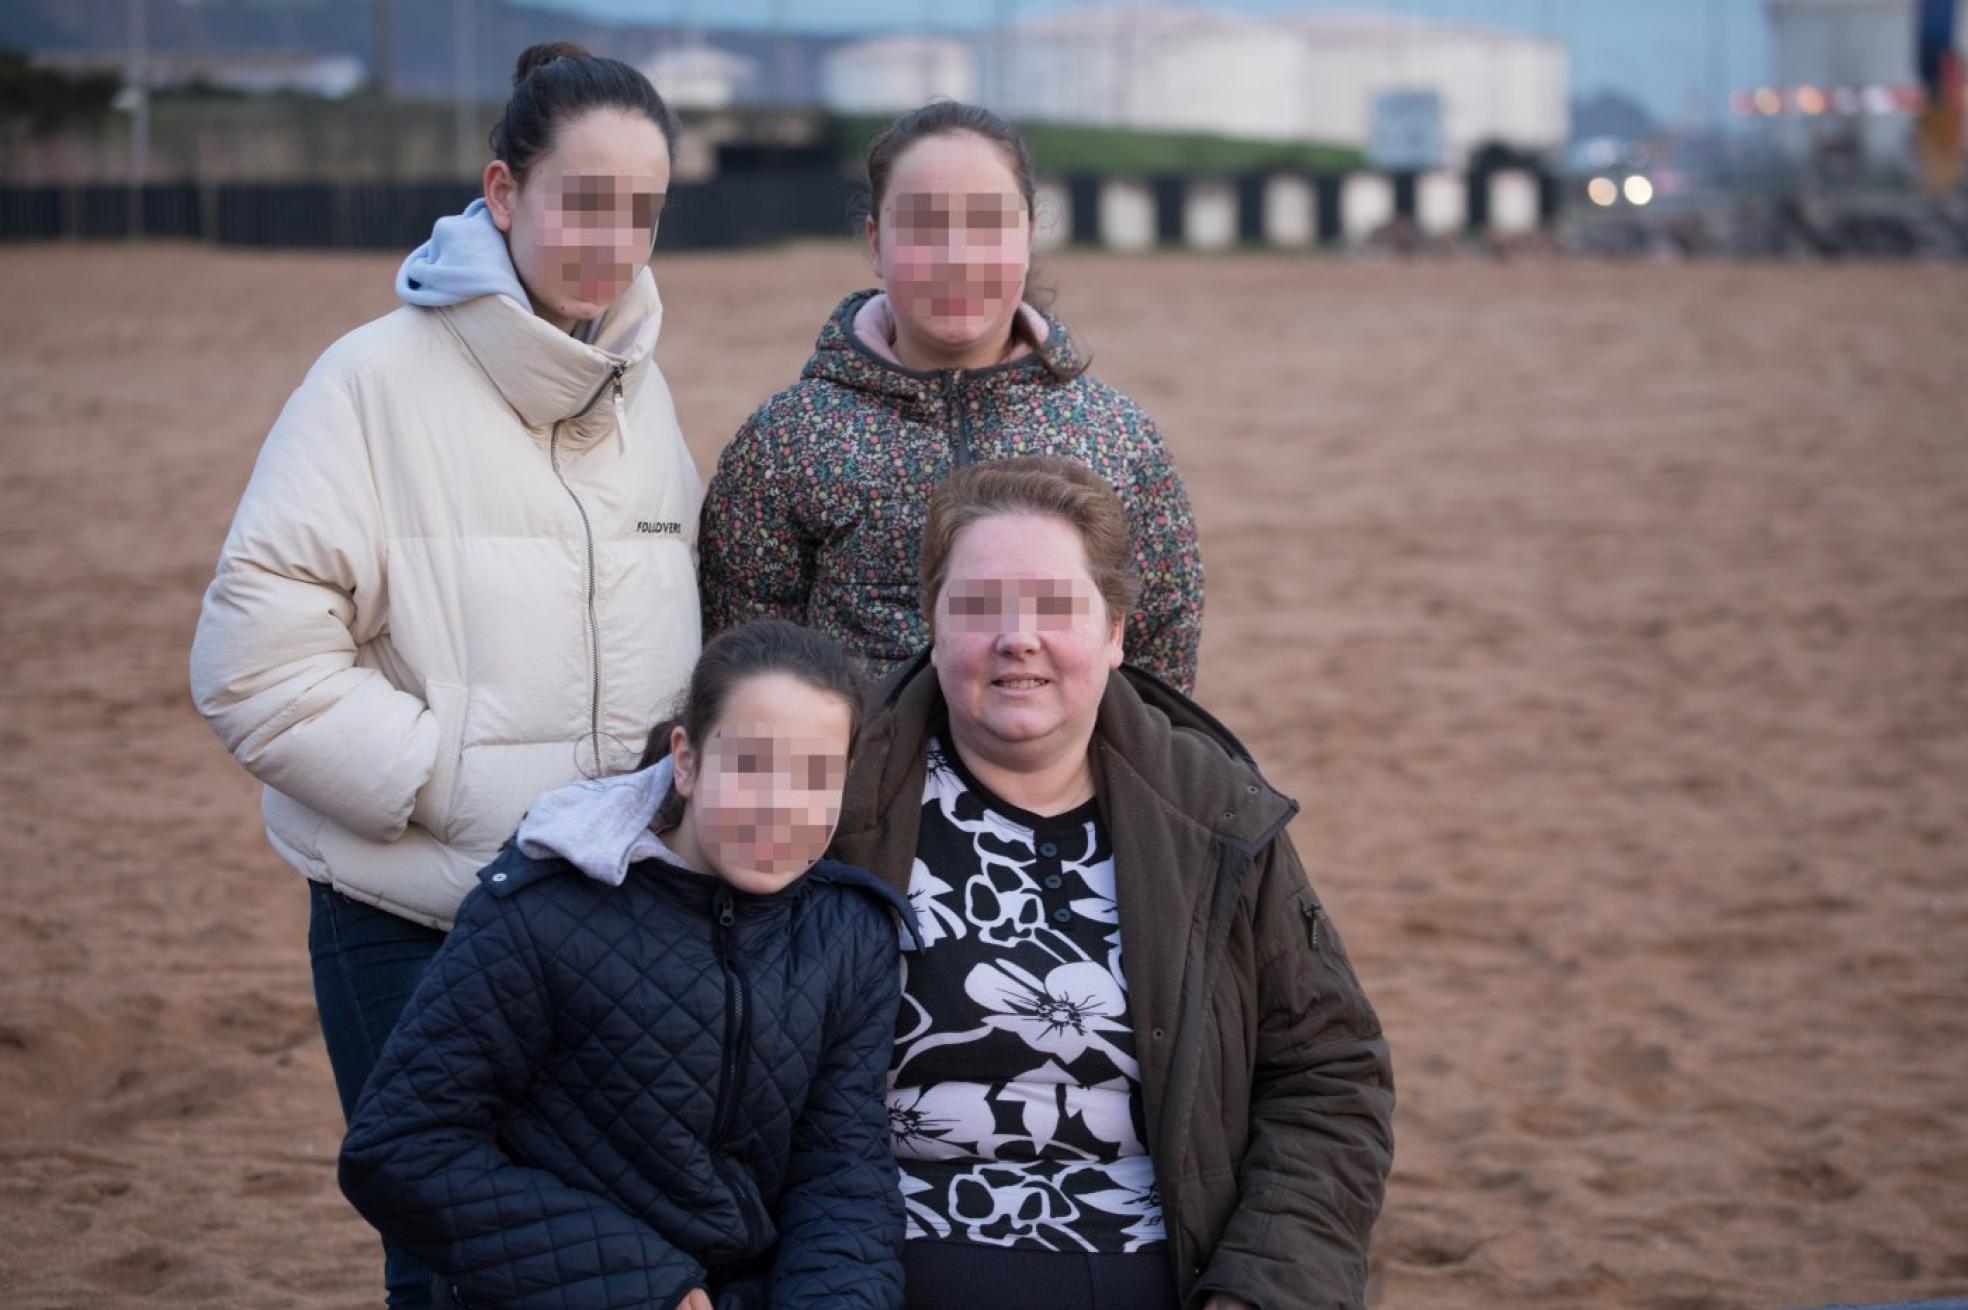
<point x="648" y="1068"/>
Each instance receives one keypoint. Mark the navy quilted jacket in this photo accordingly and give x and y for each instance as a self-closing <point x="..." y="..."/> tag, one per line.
<point x="605" y="1096"/>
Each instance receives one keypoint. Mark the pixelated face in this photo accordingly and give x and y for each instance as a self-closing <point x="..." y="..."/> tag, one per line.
<point x="582" y="226"/>
<point x="764" y="787"/>
<point x="1023" y="641"/>
<point x="953" y="242"/>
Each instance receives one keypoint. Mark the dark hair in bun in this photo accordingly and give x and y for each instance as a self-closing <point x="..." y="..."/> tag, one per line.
<point x="558" y="80"/>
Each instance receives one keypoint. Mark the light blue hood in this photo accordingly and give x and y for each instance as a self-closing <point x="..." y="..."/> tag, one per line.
<point x="465" y="258"/>
<point x="600" y="826"/>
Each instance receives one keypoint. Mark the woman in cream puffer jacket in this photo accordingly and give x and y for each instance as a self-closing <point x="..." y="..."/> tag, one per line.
<point x="464" y="571"/>
<point x="463" y="574"/>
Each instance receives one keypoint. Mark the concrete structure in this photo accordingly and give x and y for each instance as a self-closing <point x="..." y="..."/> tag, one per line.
<point x="1441" y="203"/>
<point x="1127" y="215"/>
<point x="895" y="73"/>
<point x="1513" y="203"/>
<point x="1366" y="205"/>
<point x="1291" y="212"/>
<point x="1209" y="214"/>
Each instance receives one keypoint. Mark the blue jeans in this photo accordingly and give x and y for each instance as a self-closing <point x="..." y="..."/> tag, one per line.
<point x="366" y="963"/>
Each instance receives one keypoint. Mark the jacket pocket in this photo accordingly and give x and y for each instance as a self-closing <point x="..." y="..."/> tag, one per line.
<point x="436" y="804"/>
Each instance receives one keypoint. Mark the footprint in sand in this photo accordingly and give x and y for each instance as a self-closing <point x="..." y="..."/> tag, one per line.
<point x="283" y="1184"/>
<point x="1428" y="1240"/>
<point x="1817" y="1180"/>
<point x="142" y="1272"/>
<point x="135" y="1096"/>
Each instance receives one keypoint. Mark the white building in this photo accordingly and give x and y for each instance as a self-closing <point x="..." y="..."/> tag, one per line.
<point x="1833" y="43"/>
<point x="1494" y="85"/>
<point x="1845" y="78"/>
<point x="253" y="73"/>
<point x="1180" y="70"/>
<point x="1307" y="76"/>
<point x="699" y="76"/>
<point x="895" y="73"/>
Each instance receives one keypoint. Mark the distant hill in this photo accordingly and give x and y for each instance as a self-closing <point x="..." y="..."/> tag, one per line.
<point x="421" y="54"/>
<point x="1608" y="113"/>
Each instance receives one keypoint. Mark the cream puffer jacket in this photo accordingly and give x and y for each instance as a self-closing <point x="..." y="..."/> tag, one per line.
<point x="463" y="573"/>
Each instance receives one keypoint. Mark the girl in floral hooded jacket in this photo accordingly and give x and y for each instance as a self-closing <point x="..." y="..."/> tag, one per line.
<point x="817" y="507"/>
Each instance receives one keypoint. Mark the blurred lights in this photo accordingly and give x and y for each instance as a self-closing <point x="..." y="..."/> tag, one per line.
<point x="1813" y="101"/>
<point x="1639" y="190"/>
<point x="1602" y="191"/>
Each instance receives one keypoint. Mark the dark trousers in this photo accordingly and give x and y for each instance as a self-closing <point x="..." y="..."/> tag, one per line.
<point x="968" y="1276"/>
<point x="366" y="963"/>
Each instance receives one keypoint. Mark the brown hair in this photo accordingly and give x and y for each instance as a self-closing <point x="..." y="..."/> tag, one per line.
<point x="947" y="118"/>
<point x="1045" y="485"/>
<point x="558" y="80"/>
<point x="760" y="647"/>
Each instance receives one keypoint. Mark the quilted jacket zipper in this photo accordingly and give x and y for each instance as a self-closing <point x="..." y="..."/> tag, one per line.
<point x="735" y="1030"/>
<point x="960" y="431"/>
<point x="614" y="380"/>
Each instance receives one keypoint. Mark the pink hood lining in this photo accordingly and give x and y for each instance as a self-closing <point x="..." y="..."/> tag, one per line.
<point x="874" y="324"/>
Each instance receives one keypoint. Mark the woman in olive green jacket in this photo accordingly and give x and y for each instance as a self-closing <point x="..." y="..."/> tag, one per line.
<point x="1044" y="807"/>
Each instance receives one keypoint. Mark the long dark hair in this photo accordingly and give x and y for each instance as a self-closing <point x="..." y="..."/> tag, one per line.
<point x="946" y="118"/>
<point x="760" y="647"/>
<point x="558" y="80"/>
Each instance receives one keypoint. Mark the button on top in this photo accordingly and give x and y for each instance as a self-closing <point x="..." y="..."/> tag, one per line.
<point x="1048" y="849"/>
<point x="1054" y="881"/>
<point x="1062" y="914"/>
<point x="498" y="877"/>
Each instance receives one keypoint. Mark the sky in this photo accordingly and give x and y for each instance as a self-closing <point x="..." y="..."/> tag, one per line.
<point x="1657" y="51"/>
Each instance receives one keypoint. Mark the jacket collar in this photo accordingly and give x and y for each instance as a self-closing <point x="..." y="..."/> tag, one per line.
<point x="1148" y="737"/>
<point x="547" y="376"/>
<point x="842" y="355"/>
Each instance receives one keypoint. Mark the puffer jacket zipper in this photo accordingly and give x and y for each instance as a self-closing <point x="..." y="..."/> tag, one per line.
<point x="614" y="379"/>
<point x="735" y="1028"/>
<point x="960" y="426"/>
<point x="731" y="1075"/>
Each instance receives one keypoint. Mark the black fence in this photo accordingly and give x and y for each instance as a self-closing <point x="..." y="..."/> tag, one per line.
<point x="739" y="207"/>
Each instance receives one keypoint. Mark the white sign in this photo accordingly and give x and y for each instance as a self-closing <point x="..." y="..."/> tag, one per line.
<point x="1405" y="133"/>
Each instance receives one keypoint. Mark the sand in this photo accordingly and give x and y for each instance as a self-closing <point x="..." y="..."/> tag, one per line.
<point x="1610" y="622"/>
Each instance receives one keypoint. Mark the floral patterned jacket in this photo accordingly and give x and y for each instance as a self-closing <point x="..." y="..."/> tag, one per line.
<point x="1268" y="1093"/>
<point x="816" y="511"/>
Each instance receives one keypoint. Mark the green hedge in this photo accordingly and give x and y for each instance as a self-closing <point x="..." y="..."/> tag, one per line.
<point x="1059" y="148"/>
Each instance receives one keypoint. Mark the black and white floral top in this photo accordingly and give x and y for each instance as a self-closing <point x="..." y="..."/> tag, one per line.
<point x="1015" y="1098"/>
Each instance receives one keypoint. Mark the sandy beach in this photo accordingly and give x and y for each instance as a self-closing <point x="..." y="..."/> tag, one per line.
<point x="1610" y="623"/>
